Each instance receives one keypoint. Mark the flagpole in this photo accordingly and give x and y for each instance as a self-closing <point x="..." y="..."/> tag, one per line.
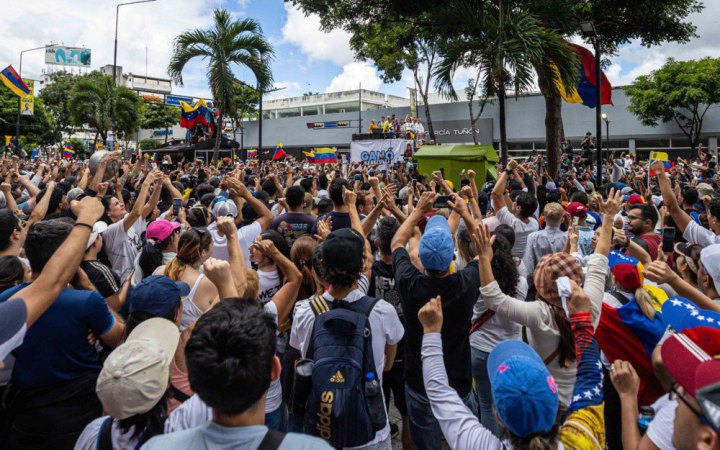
<point x="17" y="123"/>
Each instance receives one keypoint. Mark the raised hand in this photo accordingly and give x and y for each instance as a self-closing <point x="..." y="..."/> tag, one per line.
<point x="425" y="203"/>
<point x="226" y="226"/>
<point x="349" y="197"/>
<point x="431" y="316"/>
<point x="613" y="205"/>
<point x="483" y="242"/>
<point x="624" y="378"/>
<point x="578" y="301"/>
<point x="217" y="271"/>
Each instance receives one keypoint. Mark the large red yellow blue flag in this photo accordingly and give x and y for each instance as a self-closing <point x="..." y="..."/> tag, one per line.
<point x="584" y="91"/>
<point x="12" y="80"/>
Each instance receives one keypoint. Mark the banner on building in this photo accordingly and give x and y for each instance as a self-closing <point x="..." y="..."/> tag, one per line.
<point x="378" y="151"/>
<point x="326" y="125"/>
<point x="27" y="104"/>
<point x="413" y="102"/>
<point x="174" y="100"/>
<point x="67" y="56"/>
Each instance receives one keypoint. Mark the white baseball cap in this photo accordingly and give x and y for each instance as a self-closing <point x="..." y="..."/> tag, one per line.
<point x="136" y="374"/>
<point x="98" y="229"/>
<point x="710" y="259"/>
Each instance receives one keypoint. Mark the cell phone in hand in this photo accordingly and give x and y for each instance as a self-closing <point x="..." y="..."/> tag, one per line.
<point x="442" y="201"/>
<point x="398" y="202"/>
<point x="668" y="239"/>
<point x="177" y="204"/>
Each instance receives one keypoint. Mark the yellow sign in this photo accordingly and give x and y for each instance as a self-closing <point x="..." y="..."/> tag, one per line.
<point x="8" y="139"/>
<point x="27" y="104"/>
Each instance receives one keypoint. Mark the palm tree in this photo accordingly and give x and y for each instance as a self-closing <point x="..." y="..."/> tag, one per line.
<point x="507" y="44"/>
<point x="228" y="42"/>
<point x="96" y="102"/>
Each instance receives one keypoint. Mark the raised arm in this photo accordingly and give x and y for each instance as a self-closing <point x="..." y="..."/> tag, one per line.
<point x="681" y="218"/>
<point x="498" y="193"/>
<point x="404" y="233"/>
<point x="39" y="295"/>
<point x="139" y="205"/>
<point x="226" y="226"/>
<point x="284" y="299"/>
<point x="660" y="272"/>
<point x="265" y="216"/>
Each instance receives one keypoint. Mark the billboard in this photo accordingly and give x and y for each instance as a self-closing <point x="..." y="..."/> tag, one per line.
<point x="67" y="56"/>
<point x="27" y="104"/>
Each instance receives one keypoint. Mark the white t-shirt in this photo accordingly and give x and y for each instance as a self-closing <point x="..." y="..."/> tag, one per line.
<point x="88" y="439"/>
<point x="122" y="247"/>
<point x="269" y="284"/>
<point x="384" y="323"/>
<point x="661" y="428"/>
<point x="322" y="193"/>
<point x="697" y="234"/>
<point x="246" y="236"/>
<point x="522" y="229"/>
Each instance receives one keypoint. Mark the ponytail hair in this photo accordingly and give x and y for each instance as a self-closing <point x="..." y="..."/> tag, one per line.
<point x="645" y="302"/>
<point x="539" y="441"/>
<point x="152" y="254"/>
<point x="190" y="247"/>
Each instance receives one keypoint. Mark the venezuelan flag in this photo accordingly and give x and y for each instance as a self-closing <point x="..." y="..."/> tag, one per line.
<point x="12" y="80"/>
<point x="310" y="156"/>
<point x="192" y="115"/>
<point x="661" y="156"/>
<point x="252" y="154"/>
<point x="325" y="155"/>
<point x="279" y="152"/>
<point x="584" y="91"/>
<point x="68" y="151"/>
<point x="23" y="153"/>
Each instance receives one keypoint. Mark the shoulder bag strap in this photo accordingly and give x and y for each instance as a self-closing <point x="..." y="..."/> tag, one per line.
<point x="272" y="440"/>
<point x="104" y="441"/>
<point x="484" y="317"/>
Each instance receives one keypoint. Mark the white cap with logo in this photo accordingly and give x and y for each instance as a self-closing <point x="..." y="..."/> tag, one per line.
<point x="136" y="374"/>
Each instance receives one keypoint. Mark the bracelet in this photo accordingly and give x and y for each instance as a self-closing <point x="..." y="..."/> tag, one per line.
<point x="80" y="224"/>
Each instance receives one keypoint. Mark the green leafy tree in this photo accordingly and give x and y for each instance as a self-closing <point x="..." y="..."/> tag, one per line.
<point x="229" y="42"/>
<point x="155" y="115"/>
<point x="681" y="92"/>
<point x="148" y="144"/>
<point x="56" y="97"/>
<point x="38" y="129"/>
<point x="97" y="103"/>
<point x="395" y="46"/>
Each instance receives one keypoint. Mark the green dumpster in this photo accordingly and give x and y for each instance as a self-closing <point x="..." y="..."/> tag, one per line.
<point x="454" y="158"/>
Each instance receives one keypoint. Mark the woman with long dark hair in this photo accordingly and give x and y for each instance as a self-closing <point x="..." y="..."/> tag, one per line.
<point x="161" y="241"/>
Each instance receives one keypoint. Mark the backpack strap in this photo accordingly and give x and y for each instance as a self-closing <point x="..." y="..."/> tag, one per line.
<point x="272" y="440"/>
<point x="104" y="441"/>
<point x="620" y="297"/>
<point x="364" y="305"/>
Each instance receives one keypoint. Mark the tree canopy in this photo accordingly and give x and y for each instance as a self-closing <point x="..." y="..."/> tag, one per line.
<point x="679" y="92"/>
<point x="38" y="129"/>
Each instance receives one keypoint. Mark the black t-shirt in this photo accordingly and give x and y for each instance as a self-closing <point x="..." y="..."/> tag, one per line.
<point x="293" y="225"/>
<point x="340" y="220"/>
<point x="382" y="285"/>
<point x="458" y="292"/>
<point x="105" y="280"/>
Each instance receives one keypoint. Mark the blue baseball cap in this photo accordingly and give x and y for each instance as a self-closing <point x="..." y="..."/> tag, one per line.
<point x="524" y="391"/>
<point x="682" y="314"/>
<point x="436" y="245"/>
<point x="157" y="295"/>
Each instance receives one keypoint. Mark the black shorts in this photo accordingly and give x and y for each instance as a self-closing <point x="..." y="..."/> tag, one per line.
<point x="394" y="380"/>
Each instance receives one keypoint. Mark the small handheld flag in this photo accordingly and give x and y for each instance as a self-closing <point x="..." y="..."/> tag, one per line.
<point x="68" y="151"/>
<point x="12" y="80"/>
<point x="310" y="157"/>
<point x="325" y="156"/>
<point x="661" y="156"/>
<point x="279" y="152"/>
<point x="252" y="154"/>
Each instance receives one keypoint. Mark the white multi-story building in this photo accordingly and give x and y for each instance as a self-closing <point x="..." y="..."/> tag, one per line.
<point x="334" y="102"/>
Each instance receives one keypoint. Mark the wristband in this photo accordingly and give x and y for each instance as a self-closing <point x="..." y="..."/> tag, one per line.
<point x="80" y="224"/>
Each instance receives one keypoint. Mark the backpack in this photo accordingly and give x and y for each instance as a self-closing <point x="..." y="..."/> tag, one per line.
<point x="337" y="409"/>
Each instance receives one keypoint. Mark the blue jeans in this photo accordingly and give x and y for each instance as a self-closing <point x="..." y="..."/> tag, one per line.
<point x="482" y="383"/>
<point x="277" y="420"/>
<point x="425" y="432"/>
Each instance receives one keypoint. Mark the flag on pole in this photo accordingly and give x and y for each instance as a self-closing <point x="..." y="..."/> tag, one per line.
<point x="310" y="157"/>
<point x="279" y="152"/>
<point x="68" y="151"/>
<point x="325" y="155"/>
<point x="584" y="90"/>
<point x="12" y="80"/>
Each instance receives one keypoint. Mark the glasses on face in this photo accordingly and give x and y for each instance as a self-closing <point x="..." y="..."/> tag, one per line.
<point x="678" y="393"/>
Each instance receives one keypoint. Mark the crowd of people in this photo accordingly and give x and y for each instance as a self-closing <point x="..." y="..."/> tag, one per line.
<point x="267" y="305"/>
<point x="392" y="127"/>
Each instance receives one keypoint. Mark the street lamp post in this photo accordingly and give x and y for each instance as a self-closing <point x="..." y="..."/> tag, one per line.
<point x="588" y="31"/>
<point x="607" y="131"/>
<point x="117" y="14"/>
<point x="17" y="123"/>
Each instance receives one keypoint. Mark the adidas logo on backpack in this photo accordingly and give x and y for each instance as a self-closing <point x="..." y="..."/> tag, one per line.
<point x="337" y="378"/>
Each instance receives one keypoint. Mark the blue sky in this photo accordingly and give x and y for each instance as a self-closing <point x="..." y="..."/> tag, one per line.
<point x="306" y="58"/>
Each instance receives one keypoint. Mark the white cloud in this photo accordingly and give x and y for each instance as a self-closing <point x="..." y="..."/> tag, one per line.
<point x="304" y="32"/>
<point x="352" y="75"/>
<point x="91" y="24"/>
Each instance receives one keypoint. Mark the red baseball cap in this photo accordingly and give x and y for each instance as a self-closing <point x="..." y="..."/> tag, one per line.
<point x="576" y="209"/>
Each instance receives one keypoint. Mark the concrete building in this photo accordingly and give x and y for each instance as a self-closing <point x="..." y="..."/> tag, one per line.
<point x="330" y="103"/>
